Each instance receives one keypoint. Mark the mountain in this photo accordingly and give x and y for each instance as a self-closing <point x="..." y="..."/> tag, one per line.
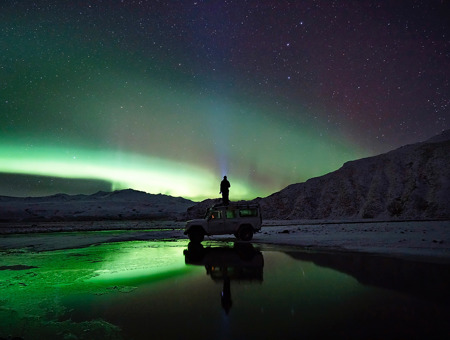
<point x="412" y="182"/>
<point x="118" y="205"/>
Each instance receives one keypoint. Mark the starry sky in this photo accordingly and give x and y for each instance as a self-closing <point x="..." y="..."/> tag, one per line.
<point x="169" y="96"/>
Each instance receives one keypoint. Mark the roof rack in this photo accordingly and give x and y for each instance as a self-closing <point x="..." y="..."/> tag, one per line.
<point x="235" y="205"/>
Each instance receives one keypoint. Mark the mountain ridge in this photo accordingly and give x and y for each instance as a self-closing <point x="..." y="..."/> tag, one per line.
<point x="127" y="204"/>
<point x="410" y="182"/>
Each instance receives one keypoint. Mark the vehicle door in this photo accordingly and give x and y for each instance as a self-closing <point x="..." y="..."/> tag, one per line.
<point x="232" y="221"/>
<point x="215" y="222"/>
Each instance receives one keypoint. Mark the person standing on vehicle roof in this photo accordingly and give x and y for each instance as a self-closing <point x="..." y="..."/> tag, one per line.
<point x="224" y="190"/>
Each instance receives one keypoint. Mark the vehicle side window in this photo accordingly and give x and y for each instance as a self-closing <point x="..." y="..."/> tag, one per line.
<point x="248" y="212"/>
<point x="216" y="214"/>
<point x="231" y="214"/>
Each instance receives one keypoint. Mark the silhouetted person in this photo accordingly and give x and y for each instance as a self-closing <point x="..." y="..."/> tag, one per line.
<point x="224" y="190"/>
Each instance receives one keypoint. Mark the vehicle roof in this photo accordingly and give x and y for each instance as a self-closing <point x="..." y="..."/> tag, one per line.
<point x="235" y="206"/>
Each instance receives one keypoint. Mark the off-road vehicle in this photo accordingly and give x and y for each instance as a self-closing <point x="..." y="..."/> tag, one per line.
<point x="240" y="219"/>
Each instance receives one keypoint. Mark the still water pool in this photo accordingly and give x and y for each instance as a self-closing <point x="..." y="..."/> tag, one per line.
<point x="175" y="290"/>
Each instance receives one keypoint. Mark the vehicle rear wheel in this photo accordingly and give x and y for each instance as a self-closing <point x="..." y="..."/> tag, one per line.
<point x="196" y="235"/>
<point x="245" y="233"/>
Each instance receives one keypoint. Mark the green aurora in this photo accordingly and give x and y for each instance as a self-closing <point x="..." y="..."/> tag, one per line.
<point x="163" y="142"/>
<point x="168" y="99"/>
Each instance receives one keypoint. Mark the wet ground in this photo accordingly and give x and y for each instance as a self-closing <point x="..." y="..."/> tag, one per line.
<point x="115" y="285"/>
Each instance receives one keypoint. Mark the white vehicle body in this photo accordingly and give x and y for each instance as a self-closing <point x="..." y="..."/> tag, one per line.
<point x="239" y="219"/>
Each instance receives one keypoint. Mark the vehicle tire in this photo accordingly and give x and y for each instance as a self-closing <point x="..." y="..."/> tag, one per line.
<point x="245" y="233"/>
<point x="196" y="235"/>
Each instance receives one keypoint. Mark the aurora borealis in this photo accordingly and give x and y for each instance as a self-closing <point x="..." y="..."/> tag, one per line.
<point x="169" y="96"/>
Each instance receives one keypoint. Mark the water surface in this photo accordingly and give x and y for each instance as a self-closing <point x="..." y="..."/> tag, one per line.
<point x="174" y="290"/>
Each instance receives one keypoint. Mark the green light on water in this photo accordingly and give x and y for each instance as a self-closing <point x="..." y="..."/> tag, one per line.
<point x="143" y="264"/>
<point x="35" y="285"/>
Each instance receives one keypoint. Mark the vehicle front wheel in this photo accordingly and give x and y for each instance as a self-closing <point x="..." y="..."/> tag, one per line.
<point x="196" y="235"/>
<point x="245" y="233"/>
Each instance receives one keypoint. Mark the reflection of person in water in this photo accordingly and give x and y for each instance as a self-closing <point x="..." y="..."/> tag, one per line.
<point x="226" y="295"/>
<point x="242" y="263"/>
<point x="224" y="190"/>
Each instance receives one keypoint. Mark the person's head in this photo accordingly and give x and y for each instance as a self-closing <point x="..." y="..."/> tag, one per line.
<point x="224" y="177"/>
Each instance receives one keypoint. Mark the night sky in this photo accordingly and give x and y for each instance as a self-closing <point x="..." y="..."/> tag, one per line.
<point x="169" y="96"/>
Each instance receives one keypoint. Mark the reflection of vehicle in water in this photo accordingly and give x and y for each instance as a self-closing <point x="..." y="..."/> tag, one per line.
<point x="242" y="262"/>
<point x="240" y="219"/>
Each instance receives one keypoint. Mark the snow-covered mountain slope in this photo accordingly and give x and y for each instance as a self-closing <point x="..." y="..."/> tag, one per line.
<point x="123" y="204"/>
<point x="412" y="182"/>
